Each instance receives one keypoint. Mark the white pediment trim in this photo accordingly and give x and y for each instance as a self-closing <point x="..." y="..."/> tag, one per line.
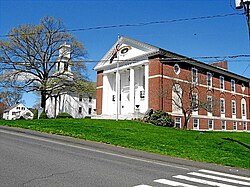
<point x="148" y="49"/>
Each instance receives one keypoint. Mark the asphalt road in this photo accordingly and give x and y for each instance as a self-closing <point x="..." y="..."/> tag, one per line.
<point x="37" y="159"/>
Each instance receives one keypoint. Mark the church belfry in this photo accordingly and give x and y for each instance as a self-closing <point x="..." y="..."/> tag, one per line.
<point x="64" y="59"/>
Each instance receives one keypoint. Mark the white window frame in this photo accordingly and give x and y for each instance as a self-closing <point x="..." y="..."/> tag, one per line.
<point x="194" y="100"/>
<point x="208" y="123"/>
<point x="222" y="105"/>
<point x="223" y="125"/>
<point x="243" y="108"/>
<point x="233" y="85"/>
<point x="209" y="80"/>
<point x="80" y="110"/>
<point x="194" y="76"/>
<point x="197" y="123"/>
<point x="175" y="122"/>
<point x="244" y="126"/>
<point x="222" y="83"/>
<point x="209" y="104"/>
<point x="235" y="125"/>
<point x="233" y="107"/>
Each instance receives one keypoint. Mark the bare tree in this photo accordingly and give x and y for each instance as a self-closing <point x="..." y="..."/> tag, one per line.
<point x="29" y="58"/>
<point x="186" y="99"/>
<point x="10" y="97"/>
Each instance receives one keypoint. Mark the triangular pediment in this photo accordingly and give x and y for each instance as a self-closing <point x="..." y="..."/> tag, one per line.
<point x="124" y="49"/>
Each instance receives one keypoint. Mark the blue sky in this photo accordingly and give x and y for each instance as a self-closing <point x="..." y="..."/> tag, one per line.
<point x="225" y="36"/>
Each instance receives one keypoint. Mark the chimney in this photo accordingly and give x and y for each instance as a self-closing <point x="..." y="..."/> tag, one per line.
<point x="220" y="64"/>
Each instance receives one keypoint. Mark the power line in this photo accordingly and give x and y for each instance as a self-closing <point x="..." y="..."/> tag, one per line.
<point x="233" y="57"/>
<point x="139" y="24"/>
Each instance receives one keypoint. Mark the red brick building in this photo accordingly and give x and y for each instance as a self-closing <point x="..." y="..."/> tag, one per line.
<point x="143" y="76"/>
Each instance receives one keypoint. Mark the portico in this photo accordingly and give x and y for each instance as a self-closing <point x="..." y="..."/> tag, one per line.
<point x="128" y="83"/>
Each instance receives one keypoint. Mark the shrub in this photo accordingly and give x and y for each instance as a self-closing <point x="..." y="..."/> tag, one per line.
<point x="64" y="115"/>
<point x="35" y="115"/>
<point x="161" y="118"/>
<point x="43" y="115"/>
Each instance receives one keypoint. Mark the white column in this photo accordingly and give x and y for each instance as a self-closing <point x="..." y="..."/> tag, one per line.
<point x="146" y="85"/>
<point x="132" y="90"/>
<point x="118" y="92"/>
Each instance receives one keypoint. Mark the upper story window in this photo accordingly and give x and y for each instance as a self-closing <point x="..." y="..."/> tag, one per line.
<point x="209" y="79"/>
<point x="222" y="106"/>
<point x="18" y="108"/>
<point x="233" y="107"/>
<point x="80" y="98"/>
<point x="233" y="85"/>
<point x="243" y="87"/>
<point x="209" y="104"/>
<point x="222" y="86"/>
<point x="243" y="107"/>
<point x="194" y="75"/>
<point x="194" y="102"/>
<point x="90" y="99"/>
<point x="177" y="69"/>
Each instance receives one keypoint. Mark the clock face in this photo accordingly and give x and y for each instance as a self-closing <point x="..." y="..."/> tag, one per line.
<point x="124" y="50"/>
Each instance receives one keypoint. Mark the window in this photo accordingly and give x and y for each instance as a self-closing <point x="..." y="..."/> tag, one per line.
<point x="23" y="108"/>
<point x="178" y="122"/>
<point x="243" y="107"/>
<point x="194" y="102"/>
<point x="244" y="125"/>
<point x="210" y="124"/>
<point x="90" y="99"/>
<point x="233" y="85"/>
<point x="90" y="111"/>
<point x="80" y="98"/>
<point x="18" y="108"/>
<point x="209" y="104"/>
<point x="177" y="69"/>
<point x="222" y="106"/>
<point x="196" y="123"/>
<point x="223" y="125"/>
<point x="235" y="125"/>
<point x="113" y="97"/>
<point x="80" y="110"/>
<point x="66" y="66"/>
<point x="242" y="87"/>
<point x="194" y="76"/>
<point x="209" y="79"/>
<point x="233" y="107"/>
<point x="222" y="83"/>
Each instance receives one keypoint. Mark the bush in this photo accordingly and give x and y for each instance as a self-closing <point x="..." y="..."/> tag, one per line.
<point x="64" y="115"/>
<point x="35" y="115"/>
<point x="43" y="115"/>
<point x="161" y="118"/>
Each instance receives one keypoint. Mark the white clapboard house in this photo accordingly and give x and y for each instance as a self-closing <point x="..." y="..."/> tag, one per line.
<point x="17" y="111"/>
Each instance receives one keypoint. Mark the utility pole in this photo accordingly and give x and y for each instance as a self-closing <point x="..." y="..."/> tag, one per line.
<point x="245" y="4"/>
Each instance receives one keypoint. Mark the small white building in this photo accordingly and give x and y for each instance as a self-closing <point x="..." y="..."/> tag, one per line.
<point x="78" y="105"/>
<point x="17" y="111"/>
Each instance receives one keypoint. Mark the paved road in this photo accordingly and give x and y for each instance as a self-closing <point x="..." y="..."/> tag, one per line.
<point x="35" y="159"/>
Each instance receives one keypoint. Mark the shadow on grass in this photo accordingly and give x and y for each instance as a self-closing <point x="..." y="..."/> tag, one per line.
<point x="232" y="140"/>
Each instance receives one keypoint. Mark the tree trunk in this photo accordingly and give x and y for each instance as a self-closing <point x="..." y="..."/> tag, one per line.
<point x="43" y="99"/>
<point x="185" y="122"/>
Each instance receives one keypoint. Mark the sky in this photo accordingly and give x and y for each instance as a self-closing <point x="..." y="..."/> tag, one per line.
<point x="217" y="37"/>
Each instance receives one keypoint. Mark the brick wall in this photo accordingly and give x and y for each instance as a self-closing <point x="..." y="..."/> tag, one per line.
<point x="160" y="92"/>
<point x="99" y="92"/>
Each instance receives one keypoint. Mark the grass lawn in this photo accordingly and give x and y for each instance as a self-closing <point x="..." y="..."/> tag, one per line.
<point x="226" y="148"/>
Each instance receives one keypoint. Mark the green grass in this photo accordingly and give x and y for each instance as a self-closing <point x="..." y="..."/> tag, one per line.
<point x="212" y="147"/>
